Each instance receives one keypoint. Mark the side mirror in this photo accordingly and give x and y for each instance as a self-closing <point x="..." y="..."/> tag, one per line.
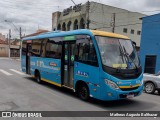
<point x="134" y="43"/>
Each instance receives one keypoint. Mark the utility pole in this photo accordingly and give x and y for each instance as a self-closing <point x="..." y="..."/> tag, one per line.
<point x="7" y="39"/>
<point x="20" y="33"/>
<point x="20" y="37"/>
<point x="113" y="22"/>
<point x="87" y="11"/>
<point x="9" y="44"/>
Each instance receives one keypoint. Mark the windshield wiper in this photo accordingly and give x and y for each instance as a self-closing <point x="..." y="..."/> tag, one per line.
<point x="122" y="54"/>
<point x="127" y="55"/>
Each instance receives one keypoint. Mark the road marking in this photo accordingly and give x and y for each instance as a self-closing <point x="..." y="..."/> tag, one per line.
<point x="4" y="58"/>
<point x="17" y="71"/>
<point x="5" y="72"/>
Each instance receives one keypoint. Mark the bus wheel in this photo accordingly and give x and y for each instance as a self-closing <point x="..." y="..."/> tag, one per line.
<point x="83" y="92"/>
<point x="38" y="77"/>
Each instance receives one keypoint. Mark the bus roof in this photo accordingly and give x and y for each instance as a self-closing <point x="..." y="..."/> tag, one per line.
<point x="108" y="34"/>
<point x="75" y="32"/>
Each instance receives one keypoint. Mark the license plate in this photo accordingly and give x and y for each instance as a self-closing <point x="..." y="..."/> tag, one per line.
<point x="130" y="96"/>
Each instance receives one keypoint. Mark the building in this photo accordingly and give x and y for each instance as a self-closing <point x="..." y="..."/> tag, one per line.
<point x="14" y="47"/>
<point x="100" y="17"/>
<point x="4" y="50"/>
<point x="150" y="44"/>
<point x="3" y="46"/>
<point x="2" y="37"/>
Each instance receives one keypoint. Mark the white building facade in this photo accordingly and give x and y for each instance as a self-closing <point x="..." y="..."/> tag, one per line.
<point x="100" y="17"/>
<point x="2" y="37"/>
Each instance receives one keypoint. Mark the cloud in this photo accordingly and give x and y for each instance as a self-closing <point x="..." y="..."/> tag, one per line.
<point x="152" y="4"/>
<point x="31" y="14"/>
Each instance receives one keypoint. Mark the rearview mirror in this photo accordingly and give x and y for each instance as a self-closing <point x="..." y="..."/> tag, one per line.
<point x="134" y="43"/>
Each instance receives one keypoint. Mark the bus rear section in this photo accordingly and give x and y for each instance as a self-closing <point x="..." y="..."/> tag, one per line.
<point x="92" y="63"/>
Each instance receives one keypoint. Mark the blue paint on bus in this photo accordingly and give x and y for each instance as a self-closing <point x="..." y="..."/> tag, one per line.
<point x="96" y="77"/>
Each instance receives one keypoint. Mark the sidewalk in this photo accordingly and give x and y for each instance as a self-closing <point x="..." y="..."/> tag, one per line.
<point x="14" y="58"/>
<point x="4" y="58"/>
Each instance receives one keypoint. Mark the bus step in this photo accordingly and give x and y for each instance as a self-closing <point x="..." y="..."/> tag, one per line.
<point x="68" y="87"/>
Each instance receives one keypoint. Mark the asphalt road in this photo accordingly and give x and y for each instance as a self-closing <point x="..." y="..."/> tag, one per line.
<point x="20" y="92"/>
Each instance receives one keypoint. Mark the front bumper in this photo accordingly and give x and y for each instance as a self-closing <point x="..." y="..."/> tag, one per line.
<point x="119" y="94"/>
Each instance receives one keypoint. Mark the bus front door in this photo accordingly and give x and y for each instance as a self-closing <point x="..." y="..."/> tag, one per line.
<point x="68" y="64"/>
<point x="28" y="58"/>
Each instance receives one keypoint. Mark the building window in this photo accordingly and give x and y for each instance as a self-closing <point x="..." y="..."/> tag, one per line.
<point x="138" y="32"/>
<point x="132" y="31"/>
<point x="64" y="26"/>
<point x="59" y="27"/>
<point x="82" y="24"/>
<point x="24" y="49"/>
<point x="75" y="27"/>
<point x="125" y="30"/>
<point x="69" y="26"/>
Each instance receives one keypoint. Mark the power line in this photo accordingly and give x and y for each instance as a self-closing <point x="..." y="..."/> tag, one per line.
<point x="78" y="11"/>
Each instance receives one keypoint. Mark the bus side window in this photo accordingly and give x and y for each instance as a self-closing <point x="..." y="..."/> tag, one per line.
<point x="53" y="49"/>
<point x="43" y="51"/>
<point x="24" y="49"/>
<point x="36" y="47"/>
<point x="87" y="53"/>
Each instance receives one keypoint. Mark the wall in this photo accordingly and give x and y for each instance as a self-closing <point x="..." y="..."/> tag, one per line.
<point x="101" y="17"/>
<point x="150" y="39"/>
<point x="3" y="50"/>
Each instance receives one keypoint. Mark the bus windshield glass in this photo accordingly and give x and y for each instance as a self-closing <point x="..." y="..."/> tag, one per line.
<point x="117" y="53"/>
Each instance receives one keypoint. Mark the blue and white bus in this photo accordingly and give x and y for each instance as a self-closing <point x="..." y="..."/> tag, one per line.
<point x="92" y="63"/>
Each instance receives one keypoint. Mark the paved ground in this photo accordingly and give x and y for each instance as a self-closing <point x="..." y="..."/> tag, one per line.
<point x="20" y="92"/>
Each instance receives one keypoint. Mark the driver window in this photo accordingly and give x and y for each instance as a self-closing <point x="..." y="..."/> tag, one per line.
<point x="86" y="52"/>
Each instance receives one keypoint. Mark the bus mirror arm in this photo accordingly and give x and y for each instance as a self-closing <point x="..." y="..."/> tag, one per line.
<point x="88" y="37"/>
<point x="134" y="43"/>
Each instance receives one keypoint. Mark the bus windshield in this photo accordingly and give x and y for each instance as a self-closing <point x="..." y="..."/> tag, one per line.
<point x="117" y="53"/>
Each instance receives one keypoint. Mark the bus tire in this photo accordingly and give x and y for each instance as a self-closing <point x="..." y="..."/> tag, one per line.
<point x="83" y="92"/>
<point x="38" y="77"/>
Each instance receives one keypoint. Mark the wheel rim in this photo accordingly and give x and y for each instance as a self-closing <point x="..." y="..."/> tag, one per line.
<point x="149" y="87"/>
<point x="83" y="93"/>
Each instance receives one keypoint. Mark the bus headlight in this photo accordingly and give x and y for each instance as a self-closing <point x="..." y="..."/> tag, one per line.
<point x="111" y="84"/>
<point x="141" y="82"/>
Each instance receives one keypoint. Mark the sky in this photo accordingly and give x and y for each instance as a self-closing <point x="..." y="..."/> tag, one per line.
<point x="31" y="15"/>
